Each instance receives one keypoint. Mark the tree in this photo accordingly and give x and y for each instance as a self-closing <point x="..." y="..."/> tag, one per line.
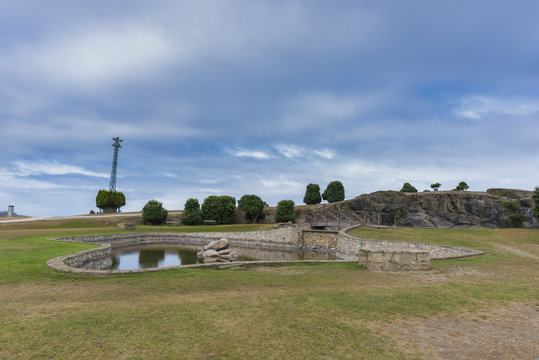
<point x="407" y="187"/>
<point x="109" y="201"/>
<point x="312" y="194"/>
<point x="435" y="186"/>
<point x="535" y="207"/>
<point x="334" y="192"/>
<point x="253" y="206"/>
<point x="192" y="215"/>
<point x="462" y="186"/>
<point x="154" y="213"/>
<point x="219" y="208"/>
<point x="285" y="211"/>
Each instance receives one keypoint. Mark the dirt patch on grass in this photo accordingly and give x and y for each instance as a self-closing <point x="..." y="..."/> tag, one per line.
<point x="517" y="251"/>
<point x="510" y="332"/>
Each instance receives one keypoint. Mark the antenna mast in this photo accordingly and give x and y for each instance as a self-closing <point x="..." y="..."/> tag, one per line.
<point x="116" y="145"/>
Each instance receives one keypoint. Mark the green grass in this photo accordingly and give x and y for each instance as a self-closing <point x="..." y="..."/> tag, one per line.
<point x="331" y="311"/>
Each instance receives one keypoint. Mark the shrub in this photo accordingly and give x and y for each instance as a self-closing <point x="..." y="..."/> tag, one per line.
<point x="312" y="194"/>
<point x="516" y="219"/>
<point x="535" y="207"/>
<point x="511" y="205"/>
<point x="462" y="186"/>
<point x="407" y="187"/>
<point x="109" y="201"/>
<point x="192" y="215"/>
<point x="435" y="186"/>
<point x="253" y="206"/>
<point x="219" y="208"/>
<point x="285" y="211"/>
<point x="154" y="213"/>
<point x="334" y="192"/>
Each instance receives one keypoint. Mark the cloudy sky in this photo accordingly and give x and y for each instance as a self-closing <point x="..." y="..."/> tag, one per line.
<point x="238" y="97"/>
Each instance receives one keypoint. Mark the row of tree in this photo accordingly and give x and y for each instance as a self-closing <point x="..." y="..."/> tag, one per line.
<point x="334" y="192"/>
<point x="407" y="187"/>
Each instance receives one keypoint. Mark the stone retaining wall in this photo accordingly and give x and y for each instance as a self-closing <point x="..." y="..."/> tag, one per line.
<point x="319" y="239"/>
<point x="348" y="247"/>
<point x="394" y="260"/>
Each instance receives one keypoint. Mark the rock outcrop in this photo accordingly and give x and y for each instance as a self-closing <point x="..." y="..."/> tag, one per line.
<point x="446" y="209"/>
<point x="218" y="250"/>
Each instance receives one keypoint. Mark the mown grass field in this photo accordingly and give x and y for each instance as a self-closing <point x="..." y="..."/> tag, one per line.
<point x="326" y="311"/>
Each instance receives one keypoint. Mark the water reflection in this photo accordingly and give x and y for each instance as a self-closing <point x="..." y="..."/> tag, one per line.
<point x="152" y="257"/>
<point x="139" y="257"/>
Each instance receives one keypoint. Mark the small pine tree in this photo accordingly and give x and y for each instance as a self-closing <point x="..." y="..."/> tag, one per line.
<point x="334" y="192"/>
<point x="154" y="213"/>
<point x="435" y="186"/>
<point x="192" y="215"/>
<point x="312" y="194"/>
<point x="407" y="187"/>
<point x="109" y="201"/>
<point x="462" y="186"/>
<point x="285" y="211"/>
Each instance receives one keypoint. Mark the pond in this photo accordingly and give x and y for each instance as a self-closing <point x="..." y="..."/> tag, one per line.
<point x="141" y="257"/>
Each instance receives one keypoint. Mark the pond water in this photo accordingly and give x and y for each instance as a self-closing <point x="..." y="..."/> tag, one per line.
<point x="141" y="257"/>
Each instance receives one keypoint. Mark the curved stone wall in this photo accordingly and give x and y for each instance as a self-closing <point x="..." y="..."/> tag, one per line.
<point x="348" y="247"/>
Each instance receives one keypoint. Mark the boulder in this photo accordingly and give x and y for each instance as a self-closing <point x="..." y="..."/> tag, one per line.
<point x="223" y="251"/>
<point x="210" y="253"/>
<point x="222" y="243"/>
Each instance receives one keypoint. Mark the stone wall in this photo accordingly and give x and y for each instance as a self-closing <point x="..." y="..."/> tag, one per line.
<point x="394" y="260"/>
<point x="319" y="239"/>
<point x="348" y="247"/>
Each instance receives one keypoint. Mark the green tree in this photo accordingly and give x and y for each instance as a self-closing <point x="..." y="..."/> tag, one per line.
<point x="462" y="186"/>
<point x="435" y="186"/>
<point x="154" y="213"/>
<point x="192" y="215"/>
<point x="219" y="208"/>
<point x="285" y="211"/>
<point x="253" y="207"/>
<point x="334" y="192"/>
<point x="535" y="207"/>
<point x="407" y="187"/>
<point x="312" y="194"/>
<point x="109" y="201"/>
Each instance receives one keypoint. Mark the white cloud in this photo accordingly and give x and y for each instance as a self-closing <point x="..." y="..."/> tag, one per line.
<point x="242" y="153"/>
<point x="52" y="168"/>
<point x="477" y="107"/>
<point x="94" y="57"/>
<point x="290" y="151"/>
<point x="325" y="153"/>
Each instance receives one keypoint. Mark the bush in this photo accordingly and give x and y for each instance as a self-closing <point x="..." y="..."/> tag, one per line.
<point x="192" y="215"/>
<point x="312" y="194"/>
<point x="109" y="201"/>
<point x="334" y="192"/>
<point x="219" y="208"/>
<point x="253" y="206"/>
<point x="535" y="207"/>
<point x="516" y="219"/>
<point x="435" y="186"/>
<point x="154" y="213"/>
<point x="407" y="187"/>
<point x="511" y="205"/>
<point x="462" y="186"/>
<point x="285" y="211"/>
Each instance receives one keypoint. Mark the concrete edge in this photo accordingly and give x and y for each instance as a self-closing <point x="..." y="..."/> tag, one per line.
<point x="465" y="252"/>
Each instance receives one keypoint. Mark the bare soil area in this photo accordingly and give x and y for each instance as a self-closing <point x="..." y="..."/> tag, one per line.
<point x="510" y="332"/>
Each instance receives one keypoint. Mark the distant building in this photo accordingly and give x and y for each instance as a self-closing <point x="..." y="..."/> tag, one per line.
<point x="9" y="213"/>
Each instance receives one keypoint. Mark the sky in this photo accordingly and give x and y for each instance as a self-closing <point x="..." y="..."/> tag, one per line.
<point x="233" y="97"/>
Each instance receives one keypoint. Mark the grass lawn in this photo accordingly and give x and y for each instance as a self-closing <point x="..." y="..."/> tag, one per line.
<point x="325" y="311"/>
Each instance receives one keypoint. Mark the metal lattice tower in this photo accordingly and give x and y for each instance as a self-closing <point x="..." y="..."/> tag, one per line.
<point x="116" y="145"/>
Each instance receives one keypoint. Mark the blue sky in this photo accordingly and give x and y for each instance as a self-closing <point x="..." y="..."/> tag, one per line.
<point x="264" y="97"/>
